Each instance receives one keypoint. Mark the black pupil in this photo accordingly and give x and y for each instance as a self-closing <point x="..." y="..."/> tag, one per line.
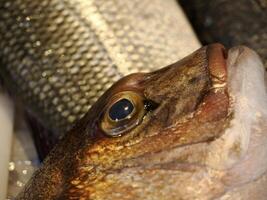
<point x="121" y="109"/>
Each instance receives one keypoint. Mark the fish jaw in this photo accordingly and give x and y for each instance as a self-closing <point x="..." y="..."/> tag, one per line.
<point x="237" y="161"/>
<point x="242" y="150"/>
<point x="247" y="89"/>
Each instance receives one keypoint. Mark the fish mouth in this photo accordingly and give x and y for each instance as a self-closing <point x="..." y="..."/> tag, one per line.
<point x="237" y="73"/>
<point x="242" y="149"/>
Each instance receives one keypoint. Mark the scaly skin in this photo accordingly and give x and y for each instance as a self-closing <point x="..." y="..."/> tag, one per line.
<point x="166" y="156"/>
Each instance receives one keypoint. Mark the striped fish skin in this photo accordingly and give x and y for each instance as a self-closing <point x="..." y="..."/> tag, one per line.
<point x="59" y="56"/>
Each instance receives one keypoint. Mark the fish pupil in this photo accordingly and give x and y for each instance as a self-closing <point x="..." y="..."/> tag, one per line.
<point x="121" y="109"/>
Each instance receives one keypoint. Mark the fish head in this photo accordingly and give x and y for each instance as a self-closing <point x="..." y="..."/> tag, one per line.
<point x="192" y="130"/>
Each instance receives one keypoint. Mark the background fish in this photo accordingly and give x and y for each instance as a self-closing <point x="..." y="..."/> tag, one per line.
<point x="184" y="135"/>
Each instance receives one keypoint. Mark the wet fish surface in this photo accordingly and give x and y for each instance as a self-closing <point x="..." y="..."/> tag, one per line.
<point x="57" y="57"/>
<point x="193" y="130"/>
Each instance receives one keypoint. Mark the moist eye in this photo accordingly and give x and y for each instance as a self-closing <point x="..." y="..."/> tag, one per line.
<point x="124" y="111"/>
<point x="121" y="109"/>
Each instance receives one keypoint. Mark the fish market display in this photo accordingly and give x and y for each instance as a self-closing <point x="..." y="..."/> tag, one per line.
<point x="193" y="130"/>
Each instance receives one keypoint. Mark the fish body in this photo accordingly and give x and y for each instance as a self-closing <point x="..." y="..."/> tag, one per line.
<point x="195" y="130"/>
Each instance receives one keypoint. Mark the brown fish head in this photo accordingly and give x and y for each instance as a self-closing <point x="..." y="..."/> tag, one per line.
<point x="183" y="104"/>
<point x="170" y="134"/>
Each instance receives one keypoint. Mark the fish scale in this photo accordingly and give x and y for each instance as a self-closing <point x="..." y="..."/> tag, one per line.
<point x="60" y="56"/>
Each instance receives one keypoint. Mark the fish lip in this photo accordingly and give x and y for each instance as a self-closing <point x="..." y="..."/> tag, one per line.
<point x="247" y="91"/>
<point x="238" y="55"/>
<point x="217" y="57"/>
<point x="222" y="60"/>
<point x="235" y="54"/>
<point x="247" y="88"/>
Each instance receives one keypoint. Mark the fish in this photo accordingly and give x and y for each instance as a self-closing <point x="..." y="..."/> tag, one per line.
<point x="57" y="57"/>
<point x="195" y="129"/>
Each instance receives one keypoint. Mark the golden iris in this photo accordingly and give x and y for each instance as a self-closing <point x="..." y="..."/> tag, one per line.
<point x="124" y="111"/>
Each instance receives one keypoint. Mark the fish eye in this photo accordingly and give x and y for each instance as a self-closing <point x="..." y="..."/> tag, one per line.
<point x="121" y="109"/>
<point x="124" y="111"/>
